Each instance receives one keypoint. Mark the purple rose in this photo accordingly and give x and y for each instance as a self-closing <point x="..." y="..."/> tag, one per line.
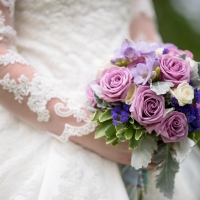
<point x="114" y="83"/>
<point x="147" y="107"/>
<point x="173" y="128"/>
<point x="174" y="69"/>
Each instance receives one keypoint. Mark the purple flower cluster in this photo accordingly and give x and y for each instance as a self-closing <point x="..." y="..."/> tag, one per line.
<point x="191" y="112"/>
<point x="129" y="51"/>
<point x="120" y="113"/>
<point x="197" y="95"/>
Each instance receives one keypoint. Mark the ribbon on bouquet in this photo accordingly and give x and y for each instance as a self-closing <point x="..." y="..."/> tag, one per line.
<point x="134" y="179"/>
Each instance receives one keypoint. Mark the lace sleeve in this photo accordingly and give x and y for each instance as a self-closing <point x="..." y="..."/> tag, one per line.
<point x="143" y="24"/>
<point x="30" y="96"/>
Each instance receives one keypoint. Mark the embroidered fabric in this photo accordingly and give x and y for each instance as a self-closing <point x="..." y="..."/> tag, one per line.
<point x="63" y="41"/>
<point x="38" y="90"/>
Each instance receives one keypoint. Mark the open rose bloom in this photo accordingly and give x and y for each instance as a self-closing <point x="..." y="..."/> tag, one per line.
<point x="150" y="96"/>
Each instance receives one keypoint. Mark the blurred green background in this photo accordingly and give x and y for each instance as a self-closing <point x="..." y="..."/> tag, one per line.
<point x="175" y="27"/>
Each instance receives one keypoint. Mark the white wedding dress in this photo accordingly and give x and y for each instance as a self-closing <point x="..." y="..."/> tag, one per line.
<point x="60" y="44"/>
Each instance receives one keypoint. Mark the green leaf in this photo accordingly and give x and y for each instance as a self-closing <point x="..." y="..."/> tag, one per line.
<point x="133" y="143"/>
<point x="129" y="133"/>
<point x="96" y="115"/>
<point x="114" y="143"/>
<point x="161" y="87"/>
<point x="142" y="154"/>
<point x="139" y="133"/>
<point x="120" y="131"/>
<point x="110" y="132"/>
<point x="121" y="137"/>
<point x="105" y="116"/>
<point x="136" y="125"/>
<point x="131" y="120"/>
<point x="168" y="169"/>
<point x="110" y="140"/>
<point x="183" y="148"/>
<point x="196" y="136"/>
<point x="100" y="132"/>
<point x="119" y="127"/>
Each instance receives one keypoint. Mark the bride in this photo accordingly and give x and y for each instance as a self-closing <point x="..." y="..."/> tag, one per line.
<point x="49" y="52"/>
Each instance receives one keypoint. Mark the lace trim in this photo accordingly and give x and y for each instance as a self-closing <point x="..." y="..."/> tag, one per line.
<point x="75" y="131"/>
<point x="10" y="5"/>
<point x="11" y="57"/>
<point x="6" y="31"/>
<point x="80" y="179"/>
<point x="40" y="90"/>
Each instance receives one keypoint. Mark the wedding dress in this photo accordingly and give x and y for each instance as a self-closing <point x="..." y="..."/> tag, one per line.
<point x="49" y="51"/>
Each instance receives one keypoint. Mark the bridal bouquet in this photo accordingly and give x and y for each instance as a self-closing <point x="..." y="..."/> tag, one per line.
<point x="149" y="95"/>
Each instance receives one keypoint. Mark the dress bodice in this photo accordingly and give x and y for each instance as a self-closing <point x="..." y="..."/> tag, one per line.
<point x="67" y="39"/>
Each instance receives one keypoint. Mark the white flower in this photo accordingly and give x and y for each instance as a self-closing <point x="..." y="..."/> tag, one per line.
<point x="159" y="51"/>
<point x="130" y="95"/>
<point x="191" y="61"/>
<point x="184" y="93"/>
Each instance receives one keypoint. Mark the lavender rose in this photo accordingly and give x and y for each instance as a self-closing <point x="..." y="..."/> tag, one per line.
<point x="114" y="83"/>
<point x="174" y="69"/>
<point x="173" y="128"/>
<point x="147" y="107"/>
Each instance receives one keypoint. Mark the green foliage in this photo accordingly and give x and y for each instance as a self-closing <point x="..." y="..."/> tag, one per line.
<point x="100" y="131"/>
<point x="194" y="135"/>
<point x="128" y="133"/>
<point x="168" y="169"/>
<point x="142" y="154"/>
<point x="96" y="115"/>
<point x="105" y="116"/>
<point x="131" y="131"/>
<point x="122" y="63"/>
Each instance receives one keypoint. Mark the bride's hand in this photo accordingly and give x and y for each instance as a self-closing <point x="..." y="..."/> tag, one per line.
<point x="119" y="153"/>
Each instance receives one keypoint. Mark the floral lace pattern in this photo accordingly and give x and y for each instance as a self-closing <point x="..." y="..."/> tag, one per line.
<point x="10" y="5"/>
<point x="11" y="57"/>
<point x="76" y="183"/>
<point x="6" y="31"/>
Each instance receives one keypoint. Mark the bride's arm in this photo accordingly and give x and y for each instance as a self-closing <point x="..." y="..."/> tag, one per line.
<point x="30" y="96"/>
<point x="37" y="101"/>
<point x="143" y="23"/>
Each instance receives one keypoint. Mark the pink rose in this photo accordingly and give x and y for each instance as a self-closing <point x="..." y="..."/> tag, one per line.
<point x="173" y="128"/>
<point x="174" y="69"/>
<point x="114" y="83"/>
<point x="147" y="107"/>
<point x="173" y="51"/>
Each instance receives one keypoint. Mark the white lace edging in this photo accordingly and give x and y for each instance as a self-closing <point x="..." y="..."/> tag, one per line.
<point x="6" y="31"/>
<point x="10" y="5"/>
<point x="75" y="131"/>
<point x="11" y="57"/>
